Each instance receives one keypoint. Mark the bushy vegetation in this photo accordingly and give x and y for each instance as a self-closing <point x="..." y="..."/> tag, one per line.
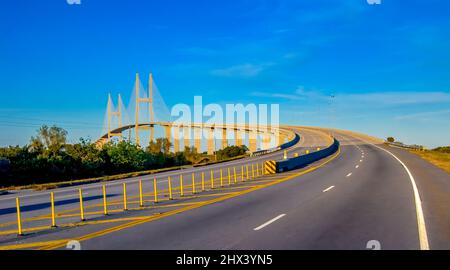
<point x="231" y="151"/>
<point x="49" y="158"/>
<point x="390" y="139"/>
<point x="443" y="149"/>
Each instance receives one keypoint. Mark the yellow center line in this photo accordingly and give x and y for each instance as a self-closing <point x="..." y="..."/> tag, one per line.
<point x="35" y="244"/>
<point x="184" y="209"/>
<point x="66" y="213"/>
<point x="140" y="220"/>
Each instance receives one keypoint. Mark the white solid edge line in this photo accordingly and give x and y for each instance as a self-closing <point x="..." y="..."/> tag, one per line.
<point x="269" y="222"/>
<point x="423" y="237"/>
<point x="328" y="189"/>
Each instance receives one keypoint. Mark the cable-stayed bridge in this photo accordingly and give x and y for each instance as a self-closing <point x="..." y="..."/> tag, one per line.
<point x="145" y="118"/>
<point x="349" y="191"/>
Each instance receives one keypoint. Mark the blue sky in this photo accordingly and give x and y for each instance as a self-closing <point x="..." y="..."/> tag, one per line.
<point x="386" y="65"/>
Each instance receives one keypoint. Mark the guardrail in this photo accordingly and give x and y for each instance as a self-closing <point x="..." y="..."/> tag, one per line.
<point x="278" y="148"/>
<point x="301" y="161"/>
<point x="149" y="195"/>
<point x="401" y="145"/>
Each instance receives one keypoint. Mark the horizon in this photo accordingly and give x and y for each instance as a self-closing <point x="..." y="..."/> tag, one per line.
<point x="380" y="69"/>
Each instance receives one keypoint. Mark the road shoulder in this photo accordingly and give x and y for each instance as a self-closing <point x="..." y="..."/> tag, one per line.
<point x="434" y="186"/>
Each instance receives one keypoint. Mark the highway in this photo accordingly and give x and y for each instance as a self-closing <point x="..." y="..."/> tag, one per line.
<point x="36" y="203"/>
<point x="363" y="193"/>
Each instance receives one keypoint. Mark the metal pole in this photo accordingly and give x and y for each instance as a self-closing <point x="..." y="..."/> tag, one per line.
<point x="105" y="203"/>
<point x="125" y="196"/>
<point x="19" y="220"/>
<point x="193" y="183"/>
<point x="80" y="193"/>
<point x="155" y="190"/>
<point x="203" y="181"/>
<point x="170" y="188"/>
<point x="52" y="204"/>
<point x="141" y="197"/>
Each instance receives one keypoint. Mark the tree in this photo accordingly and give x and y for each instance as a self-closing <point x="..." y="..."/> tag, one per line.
<point x="49" y="137"/>
<point x="191" y="154"/>
<point x="231" y="151"/>
<point x="155" y="147"/>
<point x="166" y="146"/>
<point x="5" y="165"/>
<point x="49" y="158"/>
<point x="161" y="145"/>
<point x="87" y="157"/>
<point x="391" y="139"/>
<point x="125" y="157"/>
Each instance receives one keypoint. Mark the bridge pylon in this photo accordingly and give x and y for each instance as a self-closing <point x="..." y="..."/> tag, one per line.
<point x="112" y="114"/>
<point x="148" y="100"/>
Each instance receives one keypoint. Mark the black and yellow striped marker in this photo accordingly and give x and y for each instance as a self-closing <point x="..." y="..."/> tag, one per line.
<point x="270" y="167"/>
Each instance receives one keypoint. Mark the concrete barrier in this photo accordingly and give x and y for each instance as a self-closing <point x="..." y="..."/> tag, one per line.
<point x="280" y="147"/>
<point x="302" y="161"/>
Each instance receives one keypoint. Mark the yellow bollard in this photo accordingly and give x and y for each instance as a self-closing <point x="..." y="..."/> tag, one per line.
<point x="193" y="183"/>
<point x="212" y="179"/>
<point x="295" y="154"/>
<point x="170" y="188"/>
<point x="203" y="181"/>
<point x="155" y="190"/>
<point x="307" y="152"/>
<point x="221" y="178"/>
<point x="242" y="173"/>
<point x="125" y="196"/>
<point x="141" y="198"/>
<point x="181" y="186"/>
<point x="52" y="206"/>
<point x="105" y="203"/>
<point x="229" y="177"/>
<point x="285" y="154"/>
<point x="19" y="220"/>
<point x="318" y="148"/>
<point x="235" y="176"/>
<point x="247" y="172"/>
<point x="253" y="172"/>
<point x="262" y="169"/>
<point x="80" y="192"/>
<point x="257" y="169"/>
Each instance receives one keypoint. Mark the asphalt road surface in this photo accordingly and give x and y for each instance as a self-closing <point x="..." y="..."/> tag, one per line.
<point x="366" y="195"/>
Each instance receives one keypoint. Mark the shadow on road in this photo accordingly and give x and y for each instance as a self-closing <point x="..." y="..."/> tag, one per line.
<point x="39" y="206"/>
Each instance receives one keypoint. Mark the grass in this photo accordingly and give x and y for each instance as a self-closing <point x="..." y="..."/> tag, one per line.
<point x="441" y="160"/>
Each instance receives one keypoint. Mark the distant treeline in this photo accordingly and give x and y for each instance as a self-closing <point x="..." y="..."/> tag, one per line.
<point x="444" y="149"/>
<point x="48" y="158"/>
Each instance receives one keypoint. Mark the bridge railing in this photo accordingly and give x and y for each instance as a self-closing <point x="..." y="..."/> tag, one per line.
<point x="87" y="204"/>
<point x="288" y="144"/>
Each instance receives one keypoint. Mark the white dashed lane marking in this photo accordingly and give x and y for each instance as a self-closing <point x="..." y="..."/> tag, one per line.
<point x="269" y="222"/>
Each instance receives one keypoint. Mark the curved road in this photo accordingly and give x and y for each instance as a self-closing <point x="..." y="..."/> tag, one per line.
<point x="362" y="194"/>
